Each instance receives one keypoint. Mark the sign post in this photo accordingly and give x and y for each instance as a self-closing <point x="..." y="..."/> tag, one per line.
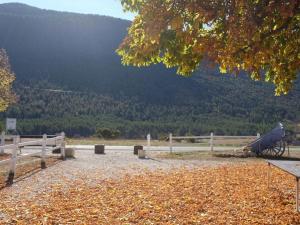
<point x="11" y="124"/>
<point x="2" y="142"/>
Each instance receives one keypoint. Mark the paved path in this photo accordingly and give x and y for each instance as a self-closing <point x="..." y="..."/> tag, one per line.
<point x="167" y="148"/>
<point x="156" y="148"/>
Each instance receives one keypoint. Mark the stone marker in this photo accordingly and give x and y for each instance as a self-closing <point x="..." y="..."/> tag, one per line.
<point x="70" y="153"/>
<point x="99" y="149"/>
<point x="136" y="149"/>
<point x="142" y="154"/>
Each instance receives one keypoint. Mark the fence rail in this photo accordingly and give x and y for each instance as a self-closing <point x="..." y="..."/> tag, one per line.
<point x="215" y="136"/>
<point x="46" y="145"/>
<point x="211" y="139"/>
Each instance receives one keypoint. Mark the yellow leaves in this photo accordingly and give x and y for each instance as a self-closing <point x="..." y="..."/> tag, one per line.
<point x="255" y="75"/>
<point x="223" y="69"/>
<point x="6" y="79"/>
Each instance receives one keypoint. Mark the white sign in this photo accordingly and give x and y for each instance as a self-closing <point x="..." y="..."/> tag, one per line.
<point x="11" y="124"/>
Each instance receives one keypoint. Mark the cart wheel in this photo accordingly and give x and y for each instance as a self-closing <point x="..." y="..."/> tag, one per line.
<point x="276" y="151"/>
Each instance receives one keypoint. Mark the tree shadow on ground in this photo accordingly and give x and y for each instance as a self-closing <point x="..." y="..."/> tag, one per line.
<point x="233" y="155"/>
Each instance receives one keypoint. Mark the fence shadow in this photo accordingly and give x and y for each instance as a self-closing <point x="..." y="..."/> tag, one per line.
<point x="232" y="155"/>
<point x="28" y="174"/>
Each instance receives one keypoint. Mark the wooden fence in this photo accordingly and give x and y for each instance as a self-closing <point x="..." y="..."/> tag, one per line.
<point x="211" y="138"/>
<point x="42" y="146"/>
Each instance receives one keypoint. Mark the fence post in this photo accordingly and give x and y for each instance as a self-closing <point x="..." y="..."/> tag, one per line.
<point x="211" y="141"/>
<point x="63" y="146"/>
<point x="13" y="162"/>
<point x="171" y="140"/>
<point x="43" y="158"/>
<point x="148" y="141"/>
<point x="19" y="141"/>
<point x="2" y="142"/>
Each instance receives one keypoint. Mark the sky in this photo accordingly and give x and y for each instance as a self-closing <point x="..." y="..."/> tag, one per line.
<point x="101" y="7"/>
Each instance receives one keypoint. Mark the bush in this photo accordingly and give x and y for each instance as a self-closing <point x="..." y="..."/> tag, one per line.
<point x="107" y="133"/>
<point x="163" y="137"/>
<point x="191" y="140"/>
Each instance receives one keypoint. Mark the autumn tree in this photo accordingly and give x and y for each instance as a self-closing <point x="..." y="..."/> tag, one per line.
<point x="6" y="79"/>
<point x="260" y="37"/>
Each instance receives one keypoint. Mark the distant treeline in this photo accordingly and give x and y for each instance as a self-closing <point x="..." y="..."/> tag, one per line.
<point x="88" y="126"/>
<point x="82" y="114"/>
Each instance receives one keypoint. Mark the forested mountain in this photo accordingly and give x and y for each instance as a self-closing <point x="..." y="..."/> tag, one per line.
<point x="69" y="78"/>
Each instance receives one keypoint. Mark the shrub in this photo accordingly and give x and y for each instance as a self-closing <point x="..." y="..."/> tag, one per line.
<point x="107" y="133"/>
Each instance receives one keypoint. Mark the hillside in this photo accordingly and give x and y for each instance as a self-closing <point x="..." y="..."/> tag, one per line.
<point x="76" y="53"/>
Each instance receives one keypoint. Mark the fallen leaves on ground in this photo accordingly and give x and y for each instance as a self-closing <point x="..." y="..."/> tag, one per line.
<point x="5" y="156"/>
<point x="232" y="194"/>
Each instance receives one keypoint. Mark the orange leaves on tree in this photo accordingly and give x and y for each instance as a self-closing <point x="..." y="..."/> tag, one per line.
<point x="259" y="37"/>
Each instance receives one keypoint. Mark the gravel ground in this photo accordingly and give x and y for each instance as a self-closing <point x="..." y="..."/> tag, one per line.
<point x="94" y="169"/>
